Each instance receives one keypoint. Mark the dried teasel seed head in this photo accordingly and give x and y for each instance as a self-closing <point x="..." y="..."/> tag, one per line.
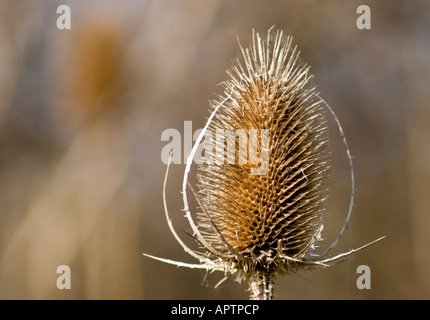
<point x="267" y="217"/>
<point x="262" y="201"/>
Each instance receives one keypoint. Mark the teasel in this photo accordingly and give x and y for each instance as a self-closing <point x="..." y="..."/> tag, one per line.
<point x="260" y="224"/>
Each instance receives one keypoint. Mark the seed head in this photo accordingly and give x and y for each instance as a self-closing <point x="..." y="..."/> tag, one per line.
<point x="258" y="219"/>
<point x="271" y="220"/>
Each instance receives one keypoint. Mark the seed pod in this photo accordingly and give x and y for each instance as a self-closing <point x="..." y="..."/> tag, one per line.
<point x="271" y="217"/>
<point x="258" y="219"/>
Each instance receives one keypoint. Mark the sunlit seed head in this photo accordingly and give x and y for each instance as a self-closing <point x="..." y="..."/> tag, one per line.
<point x="268" y="217"/>
<point x="258" y="225"/>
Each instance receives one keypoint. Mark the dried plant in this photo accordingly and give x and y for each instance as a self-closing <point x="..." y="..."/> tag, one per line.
<point x="257" y="226"/>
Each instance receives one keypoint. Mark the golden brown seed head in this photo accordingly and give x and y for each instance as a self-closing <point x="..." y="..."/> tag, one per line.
<point x="273" y="219"/>
<point x="261" y="223"/>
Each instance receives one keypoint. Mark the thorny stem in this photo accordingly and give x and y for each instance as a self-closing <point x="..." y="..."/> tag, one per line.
<point x="261" y="286"/>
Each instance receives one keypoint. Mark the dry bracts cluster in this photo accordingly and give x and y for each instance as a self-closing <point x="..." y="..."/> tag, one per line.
<point x="271" y="220"/>
<point x="261" y="207"/>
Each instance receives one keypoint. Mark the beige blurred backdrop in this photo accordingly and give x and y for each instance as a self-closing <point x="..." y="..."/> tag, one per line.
<point x="81" y="117"/>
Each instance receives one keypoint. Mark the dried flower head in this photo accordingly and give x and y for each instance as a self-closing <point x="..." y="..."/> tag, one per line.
<point x="258" y="224"/>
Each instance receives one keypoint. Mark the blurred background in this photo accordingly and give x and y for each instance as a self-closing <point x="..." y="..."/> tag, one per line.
<point x="81" y="117"/>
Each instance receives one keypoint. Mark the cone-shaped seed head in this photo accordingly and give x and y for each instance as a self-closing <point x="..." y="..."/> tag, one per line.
<point x="272" y="219"/>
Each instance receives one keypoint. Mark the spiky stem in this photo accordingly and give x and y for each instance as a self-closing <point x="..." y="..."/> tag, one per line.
<point x="261" y="286"/>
